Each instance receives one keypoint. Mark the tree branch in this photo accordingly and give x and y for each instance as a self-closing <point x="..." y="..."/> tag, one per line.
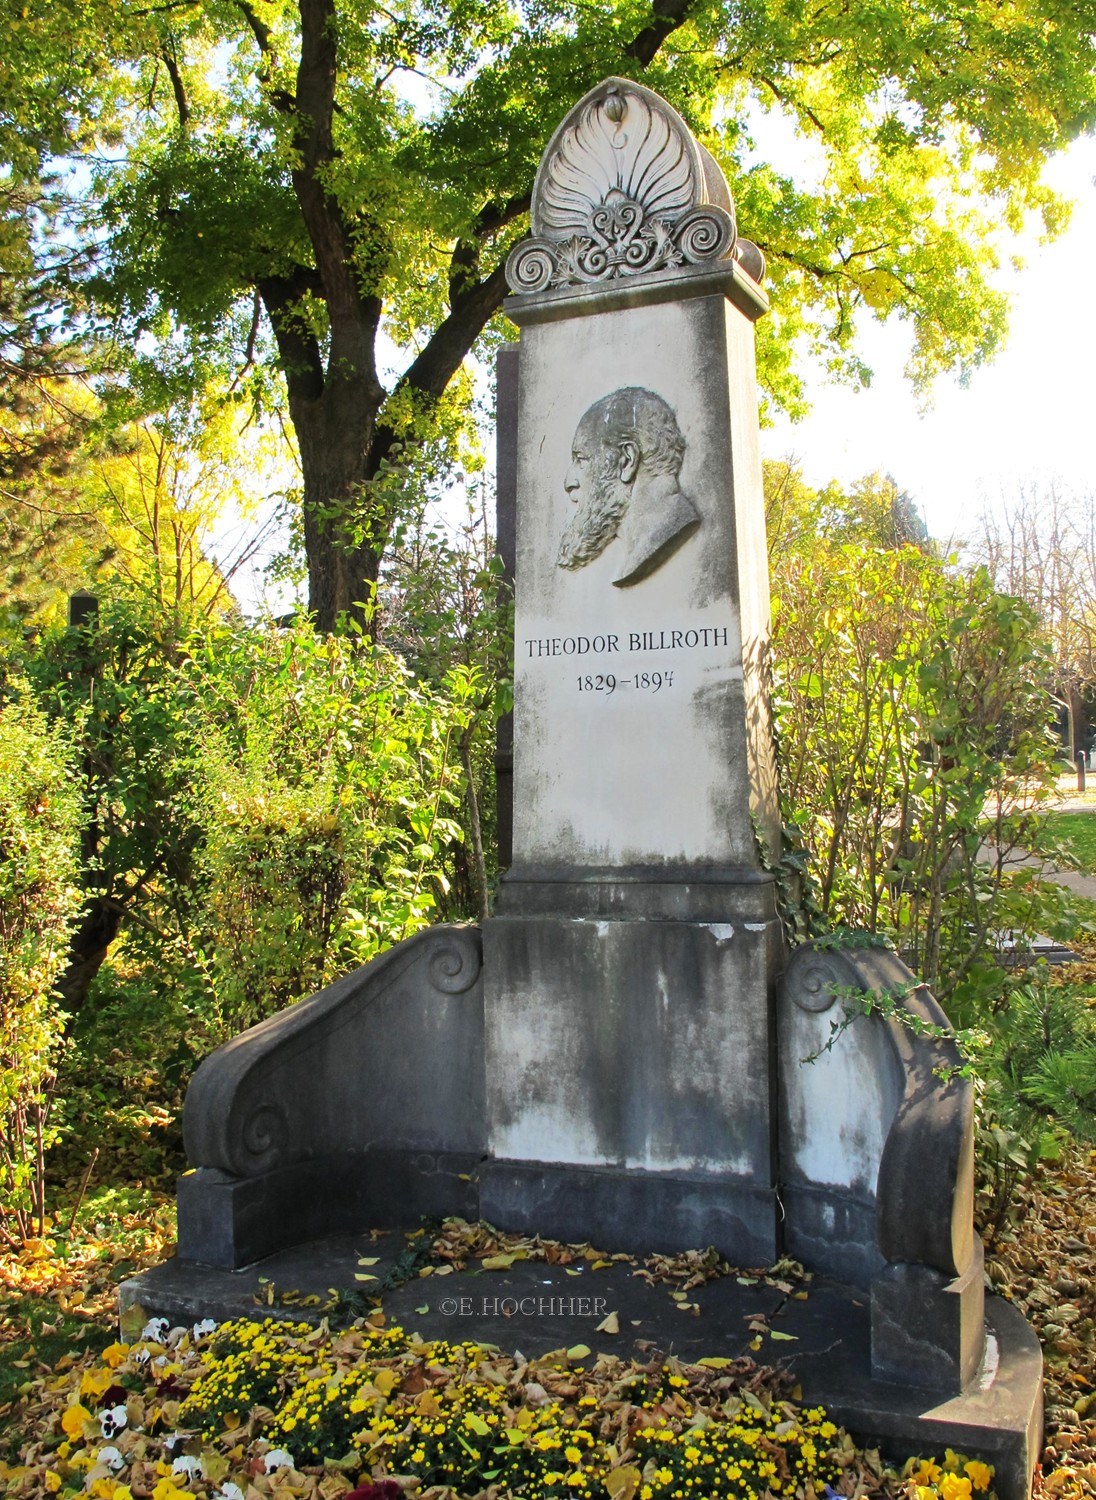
<point x="298" y="349"/>
<point x="495" y="216"/>
<point x="353" y="317"/>
<point x="264" y="40"/>
<point x="259" y="30"/>
<point x="430" y="373"/>
<point x="170" y="62"/>
<point x="791" y="103"/>
<point x="668" y="16"/>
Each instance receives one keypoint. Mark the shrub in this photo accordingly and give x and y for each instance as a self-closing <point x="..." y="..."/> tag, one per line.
<point x="913" y="738"/>
<point x="40" y="817"/>
<point x="325" y="782"/>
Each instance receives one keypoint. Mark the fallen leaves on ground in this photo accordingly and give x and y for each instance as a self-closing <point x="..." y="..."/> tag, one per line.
<point x="133" y="1421"/>
<point x="1045" y="1264"/>
<point x="460" y="1241"/>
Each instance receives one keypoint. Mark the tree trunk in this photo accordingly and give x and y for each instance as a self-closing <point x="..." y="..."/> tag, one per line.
<point x="342" y="570"/>
<point x="88" y="946"/>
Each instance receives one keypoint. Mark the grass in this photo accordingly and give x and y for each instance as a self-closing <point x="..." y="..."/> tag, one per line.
<point x="1074" y="833"/>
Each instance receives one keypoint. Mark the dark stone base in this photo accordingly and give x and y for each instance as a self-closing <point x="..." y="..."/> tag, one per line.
<point x="832" y="1230"/>
<point x="630" y="1081"/>
<point x="997" y="1419"/>
<point x="231" y="1221"/>
<point x="928" y="1329"/>
<point x="638" y="893"/>
<point x="640" y="1212"/>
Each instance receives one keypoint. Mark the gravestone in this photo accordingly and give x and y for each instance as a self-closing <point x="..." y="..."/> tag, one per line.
<point x="630" y="966"/>
<point x="627" y="1054"/>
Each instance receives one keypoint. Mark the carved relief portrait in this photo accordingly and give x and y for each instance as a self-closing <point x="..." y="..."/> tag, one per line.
<point x="624" y="478"/>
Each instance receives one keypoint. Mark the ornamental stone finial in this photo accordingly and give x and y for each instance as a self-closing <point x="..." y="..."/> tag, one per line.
<point x="624" y="190"/>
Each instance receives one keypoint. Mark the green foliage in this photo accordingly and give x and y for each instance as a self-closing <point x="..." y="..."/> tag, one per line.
<point x="39" y="831"/>
<point x="446" y="606"/>
<point x="325" y="782"/>
<point x="910" y="712"/>
<point x="256" y="196"/>
<point x="1006" y="1162"/>
<point x="1045" y="1052"/>
<point x="120" y="683"/>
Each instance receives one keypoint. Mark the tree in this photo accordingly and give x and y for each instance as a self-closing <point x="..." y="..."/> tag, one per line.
<point x="1042" y="549"/>
<point x="267" y="196"/>
<point x="873" y="513"/>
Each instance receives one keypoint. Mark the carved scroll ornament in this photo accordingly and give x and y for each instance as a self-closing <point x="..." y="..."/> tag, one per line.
<point x="624" y="190"/>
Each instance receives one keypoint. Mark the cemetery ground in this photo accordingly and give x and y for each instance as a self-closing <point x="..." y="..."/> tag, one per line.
<point x="78" y="1400"/>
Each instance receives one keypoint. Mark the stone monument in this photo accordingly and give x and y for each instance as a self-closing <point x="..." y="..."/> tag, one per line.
<point x="630" y="966"/>
<point x="622" y="1055"/>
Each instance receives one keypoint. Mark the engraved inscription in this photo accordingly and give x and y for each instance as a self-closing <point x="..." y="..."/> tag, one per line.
<point x="608" y="682"/>
<point x="537" y="646"/>
<point x="624" y="477"/>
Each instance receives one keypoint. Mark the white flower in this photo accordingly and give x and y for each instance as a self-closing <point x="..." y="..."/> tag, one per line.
<point x="155" y="1330"/>
<point x="112" y="1421"/>
<point x="186" y="1464"/>
<point x="230" y="1491"/>
<point x="111" y="1457"/>
<point x="199" y="1331"/>
<point x="277" y="1458"/>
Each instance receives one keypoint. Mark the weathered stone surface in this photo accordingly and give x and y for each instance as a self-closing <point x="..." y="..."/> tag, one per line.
<point x="370" y="1092"/>
<point x="927" y="1330"/>
<point x="641" y="732"/>
<point x="623" y="191"/>
<point x="877" y="1154"/>
<point x="636" y="1048"/>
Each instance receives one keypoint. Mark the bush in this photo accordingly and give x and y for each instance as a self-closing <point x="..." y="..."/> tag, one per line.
<point x="325" y="783"/>
<point x="40" y="816"/>
<point x="914" y="739"/>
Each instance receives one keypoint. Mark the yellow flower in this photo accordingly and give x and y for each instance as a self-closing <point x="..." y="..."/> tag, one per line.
<point x="926" y="1472"/>
<point x="95" y="1382"/>
<point x="165" y="1490"/>
<point x="53" y="1481"/>
<point x="73" y="1421"/>
<point x="980" y="1474"/>
<point x="114" y="1354"/>
<point x="955" y="1487"/>
<point x="572" y="1455"/>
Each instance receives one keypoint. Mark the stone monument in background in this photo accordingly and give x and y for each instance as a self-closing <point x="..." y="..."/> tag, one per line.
<point x="623" y="1055"/>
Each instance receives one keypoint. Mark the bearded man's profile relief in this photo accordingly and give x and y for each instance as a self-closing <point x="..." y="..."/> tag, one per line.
<point x="625" y="463"/>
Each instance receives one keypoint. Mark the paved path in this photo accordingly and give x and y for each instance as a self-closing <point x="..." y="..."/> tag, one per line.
<point x="1069" y="800"/>
<point x="1073" y="880"/>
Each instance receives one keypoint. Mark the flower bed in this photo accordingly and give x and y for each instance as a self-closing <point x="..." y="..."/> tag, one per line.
<point x="256" y="1409"/>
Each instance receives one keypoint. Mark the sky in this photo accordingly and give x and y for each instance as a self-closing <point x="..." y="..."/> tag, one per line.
<point x="1026" y="420"/>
